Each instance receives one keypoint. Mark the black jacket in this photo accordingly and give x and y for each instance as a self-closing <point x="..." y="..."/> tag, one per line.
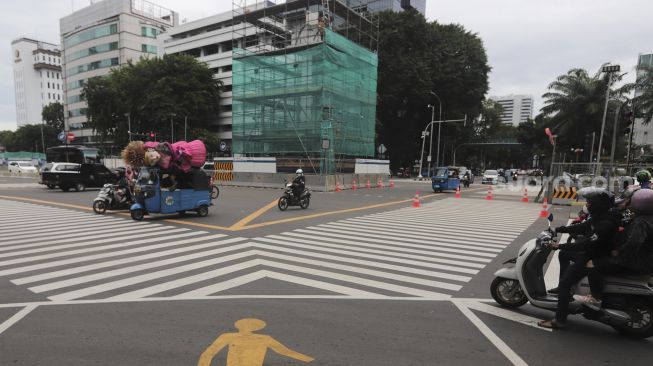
<point x="600" y="230"/>
<point x="636" y="252"/>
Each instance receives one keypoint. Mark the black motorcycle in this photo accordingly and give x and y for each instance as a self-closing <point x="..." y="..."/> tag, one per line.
<point x="112" y="197"/>
<point x="289" y="199"/>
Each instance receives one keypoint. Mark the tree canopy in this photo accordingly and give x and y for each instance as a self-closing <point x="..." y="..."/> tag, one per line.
<point x="28" y="138"/>
<point x="151" y="93"/>
<point x="417" y="57"/>
<point x="52" y="114"/>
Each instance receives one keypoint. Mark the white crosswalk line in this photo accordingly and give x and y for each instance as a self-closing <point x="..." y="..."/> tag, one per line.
<point x="59" y="228"/>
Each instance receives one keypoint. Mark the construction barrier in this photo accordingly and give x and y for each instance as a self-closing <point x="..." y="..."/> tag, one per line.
<point x="224" y="171"/>
<point x="564" y="195"/>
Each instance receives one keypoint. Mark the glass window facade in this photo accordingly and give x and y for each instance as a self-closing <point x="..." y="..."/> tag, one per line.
<point x="93" y="66"/>
<point x="148" y="48"/>
<point x="92" y="51"/>
<point x="75" y="99"/>
<point x="76" y="84"/>
<point x="89" y="34"/>
<point x="149" y="32"/>
<point x="77" y="112"/>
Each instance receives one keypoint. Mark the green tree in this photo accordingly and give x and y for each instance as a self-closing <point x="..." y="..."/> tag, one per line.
<point x="446" y="59"/>
<point x="575" y="103"/>
<point x="52" y="114"/>
<point x="152" y="92"/>
<point x="28" y="138"/>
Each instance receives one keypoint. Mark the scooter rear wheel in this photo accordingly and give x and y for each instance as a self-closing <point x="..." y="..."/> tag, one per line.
<point x="304" y="202"/>
<point x="508" y="292"/>
<point x="641" y="324"/>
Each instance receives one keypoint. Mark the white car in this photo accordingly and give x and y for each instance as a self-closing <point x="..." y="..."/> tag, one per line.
<point x="22" y="168"/>
<point x="490" y="177"/>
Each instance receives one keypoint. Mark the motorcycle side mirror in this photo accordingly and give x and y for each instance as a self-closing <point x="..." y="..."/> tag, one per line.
<point x="550" y="218"/>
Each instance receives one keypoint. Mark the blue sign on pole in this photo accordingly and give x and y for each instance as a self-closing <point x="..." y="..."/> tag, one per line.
<point x="61" y="136"/>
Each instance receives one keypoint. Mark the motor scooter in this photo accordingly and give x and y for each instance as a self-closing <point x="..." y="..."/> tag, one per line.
<point x="289" y="199"/>
<point x="627" y="300"/>
<point x="106" y="199"/>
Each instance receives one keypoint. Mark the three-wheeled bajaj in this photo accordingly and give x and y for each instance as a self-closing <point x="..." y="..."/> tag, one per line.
<point x="445" y="178"/>
<point x="184" y="192"/>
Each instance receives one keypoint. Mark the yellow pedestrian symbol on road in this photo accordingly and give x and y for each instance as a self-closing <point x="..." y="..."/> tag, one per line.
<point x="247" y="348"/>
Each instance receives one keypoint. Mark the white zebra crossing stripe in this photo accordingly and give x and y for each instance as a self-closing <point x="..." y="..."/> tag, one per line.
<point x="427" y="254"/>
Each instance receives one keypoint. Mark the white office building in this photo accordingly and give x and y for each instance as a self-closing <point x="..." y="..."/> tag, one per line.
<point x="374" y="6"/>
<point x="516" y="108"/>
<point x="37" y="78"/>
<point x="642" y="133"/>
<point x="101" y="36"/>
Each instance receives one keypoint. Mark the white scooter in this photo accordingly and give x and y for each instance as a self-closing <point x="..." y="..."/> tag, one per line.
<point x="627" y="300"/>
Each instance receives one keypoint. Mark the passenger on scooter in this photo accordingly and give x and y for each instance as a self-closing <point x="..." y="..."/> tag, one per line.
<point x="634" y="255"/>
<point x="644" y="178"/>
<point x="601" y="227"/>
<point x="299" y="183"/>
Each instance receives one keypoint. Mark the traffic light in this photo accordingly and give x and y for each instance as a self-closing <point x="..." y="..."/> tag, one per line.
<point x="152" y="136"/>
<point x="626" y="122"/>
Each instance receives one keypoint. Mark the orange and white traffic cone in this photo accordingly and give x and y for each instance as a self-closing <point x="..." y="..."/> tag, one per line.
<point x="379" y="184"/>
<point x="353" y="185"/>
<point x="338" y="189"/>
<point x="525" y="198"/>
<point x="392" y="183"/>
<point x="367" y="184"/>
<point x="489" y="194"/>
<point x="416" y="200"/>
<point x="457" y="195"/>
<point x="545" y="209"/>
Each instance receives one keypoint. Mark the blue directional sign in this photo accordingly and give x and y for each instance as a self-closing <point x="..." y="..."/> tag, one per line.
<point x="61" y="136"/>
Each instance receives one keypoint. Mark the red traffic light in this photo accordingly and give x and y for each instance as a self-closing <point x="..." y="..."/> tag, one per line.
<point x="152" y="134"/>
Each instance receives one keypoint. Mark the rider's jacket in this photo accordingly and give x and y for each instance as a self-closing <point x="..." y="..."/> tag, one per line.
<point x="600" y="234"/>
<point x="636" y="252"/>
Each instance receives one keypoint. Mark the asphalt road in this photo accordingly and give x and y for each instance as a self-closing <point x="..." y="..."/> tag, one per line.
<point x="365" y="280"/>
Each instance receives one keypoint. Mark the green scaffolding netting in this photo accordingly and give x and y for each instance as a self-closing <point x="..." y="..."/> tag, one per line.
<point x="290" y="104"/>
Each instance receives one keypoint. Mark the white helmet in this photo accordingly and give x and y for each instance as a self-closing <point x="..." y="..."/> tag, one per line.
<point x="299" y="172"/>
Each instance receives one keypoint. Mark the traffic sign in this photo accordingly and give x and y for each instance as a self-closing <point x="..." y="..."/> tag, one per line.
<point x="223" y="146"/>
<point x="71" y="136"/>
<point x="61" y="136"/>
<point x="381" y="149"/>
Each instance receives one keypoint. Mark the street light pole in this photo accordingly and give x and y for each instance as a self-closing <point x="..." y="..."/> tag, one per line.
<point x="172" y="128"/>
<point x="433" y="119"/>
<point x="609" y="69"/>
<point x="421" y="159"/>
<point x="185" y="123"/>
<point x="614" y="142"/>
<point x="129" y="126"/>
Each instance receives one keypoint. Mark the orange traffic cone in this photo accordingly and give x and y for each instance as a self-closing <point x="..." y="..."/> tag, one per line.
<point x="367" y="185"/>
<point x="353" y="185"/>
<point x="489" y="194"/>
<point x="338" y="189"/>
<point x="392" y="183"/>
<point x="457" y="192"/>
<point x="545" y="209"/>
<point x="416" y="200"/>
<point x="525" y="198"/>
<point x="379" y="183"/>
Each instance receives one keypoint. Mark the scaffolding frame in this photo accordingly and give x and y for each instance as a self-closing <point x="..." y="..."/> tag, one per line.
<point x="304" y="81"/>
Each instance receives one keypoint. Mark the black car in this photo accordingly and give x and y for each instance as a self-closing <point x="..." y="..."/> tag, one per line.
<point x="85" y="175"/>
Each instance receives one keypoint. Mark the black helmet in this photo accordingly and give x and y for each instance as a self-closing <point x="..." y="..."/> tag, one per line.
<point x="642" y="202"/>
<point x="599" y="201"/>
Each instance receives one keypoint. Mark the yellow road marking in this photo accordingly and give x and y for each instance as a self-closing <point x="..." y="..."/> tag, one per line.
<point x="247" y="348"/>
<point x="328" y="213"/>
<point x="251" y="217"/>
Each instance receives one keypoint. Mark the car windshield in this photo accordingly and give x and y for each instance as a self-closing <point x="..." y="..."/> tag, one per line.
<point x="440" y="172"/>
<point x="47" y="167"/>
<point x="491" y="172"/>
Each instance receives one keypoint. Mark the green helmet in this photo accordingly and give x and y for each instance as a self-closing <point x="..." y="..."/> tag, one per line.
<point x="643" y="176"/>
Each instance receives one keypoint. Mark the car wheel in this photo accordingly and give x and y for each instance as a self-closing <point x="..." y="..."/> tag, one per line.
<point x="80" y="187"/>
<point x="99" y="207"/>
<point x="203" y="210"/>
<point x="137" y="214"/>
<point x="51" y="186"/>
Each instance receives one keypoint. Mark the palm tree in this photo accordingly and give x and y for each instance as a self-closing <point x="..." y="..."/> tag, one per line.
<point x="575" y="102"/>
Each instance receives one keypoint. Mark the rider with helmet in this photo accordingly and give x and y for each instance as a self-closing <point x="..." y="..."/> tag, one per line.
<point x="644" y="178"/>
<point x="634" y="255"/>
<point x="299" y="183"/>
<point x="600" y="229"/>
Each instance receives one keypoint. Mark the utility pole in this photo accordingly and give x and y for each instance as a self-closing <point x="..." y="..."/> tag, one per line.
<point x="172" y="128"/>
<point x="185" y="124"/>
<point x="129" y="126"/>
<point x="432" y="119"/>
<point x="614" y="142"/>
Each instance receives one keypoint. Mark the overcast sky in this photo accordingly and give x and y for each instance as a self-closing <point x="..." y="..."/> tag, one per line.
<point x="529" y="42"/>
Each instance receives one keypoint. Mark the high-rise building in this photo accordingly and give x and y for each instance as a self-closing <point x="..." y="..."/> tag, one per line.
<point x="516" y="108"/>
<point x="37" y="78"/>
<point x="374" y="6"/>
<point x="643" y="133"/>
<point x="103" y="35"/>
